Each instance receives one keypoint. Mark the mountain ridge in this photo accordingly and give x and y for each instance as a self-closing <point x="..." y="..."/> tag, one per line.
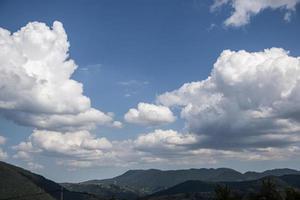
<point x="244" y="187"/>
<point x="133" y="184"/>
<point x="152" y="180"/>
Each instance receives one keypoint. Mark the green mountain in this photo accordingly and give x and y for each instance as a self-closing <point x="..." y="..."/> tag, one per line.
<point x="273" y="172"/>
<point x="18" y="183"/>
<point x="206" y="189"/>
<point x="153" y="180"/>
<point x="149" y="181"/>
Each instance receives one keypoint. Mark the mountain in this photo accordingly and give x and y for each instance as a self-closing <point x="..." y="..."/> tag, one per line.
<point x="149" y="181"/>
<point x="104" y="190"/>
<point x="206" y="189"/>
<point x="18" y="183"/>
<point x="153" y="180"/>
<point x="273" y="172"/>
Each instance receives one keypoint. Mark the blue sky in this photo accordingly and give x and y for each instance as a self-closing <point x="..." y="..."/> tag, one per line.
<point x="129" y="52"/>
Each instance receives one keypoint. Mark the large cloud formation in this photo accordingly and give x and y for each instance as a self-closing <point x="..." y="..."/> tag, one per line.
<point x="37" y="91"/>
<point x="243" y="10"/>
<point x="79" y="149"/>
<point x="251" y="100"/>
<point x="70" y="144"/>
<point x="150" y="115"/>
<point x="247" y="109"/>
<point x="168" y="147"/>
<point x="35" y="81"/>
<point x="82" y="149"/>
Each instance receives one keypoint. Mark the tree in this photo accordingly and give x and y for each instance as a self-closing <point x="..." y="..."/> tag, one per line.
<point x="292" y="194"/>
<point x="223" y="192"/>
<point x="113" y="197"/>
<point x="268" y="191"/>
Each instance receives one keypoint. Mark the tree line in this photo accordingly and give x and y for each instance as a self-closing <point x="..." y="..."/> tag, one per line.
<point x="268" y="191"/>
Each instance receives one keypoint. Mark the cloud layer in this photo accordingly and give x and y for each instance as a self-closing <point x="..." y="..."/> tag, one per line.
<point x="168" y="147"/>
<point x="244" y="10"/>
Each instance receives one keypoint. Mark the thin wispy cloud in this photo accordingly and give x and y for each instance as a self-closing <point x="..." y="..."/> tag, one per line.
<point x="91" y="67"/>
<point x="243" y="11"/>
<point x="133" y="83"/>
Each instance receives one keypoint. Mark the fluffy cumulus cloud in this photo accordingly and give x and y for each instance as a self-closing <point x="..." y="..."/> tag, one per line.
<point x="149" y="114"/>
<point x="250" y="100"/>
<point x="243" y="9"/>
<point x="70" y="144"/>
<point x="168" y="139"/>
<point x="82" y="149"/>
<point x="37" y="91"/>
<point x="75" y="149"/>
<point x="35" y="81"/>
<point x="168" y="147"/>
<point x="3" y="154"/>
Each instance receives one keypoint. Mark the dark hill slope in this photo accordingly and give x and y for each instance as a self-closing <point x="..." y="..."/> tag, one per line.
<point x="14" y="184"/>
<point x="104" y="191"/>
<point x="282" y="182"/>
<point x="17" y="182"/>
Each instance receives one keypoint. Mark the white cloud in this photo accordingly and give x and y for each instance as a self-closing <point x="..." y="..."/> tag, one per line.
<point x="244" y="10"/>
<point x="247" y="97"/>
<point x="3" y="154"/>
<point x="2" y="140"/>
<point x="23" y="155"/>
<point x="133" y="83"/>
<point x="150" y="115"/>
<point x="34" y="166"/>
<point x="83" y="150"/>
<point x="75" y="149"/>
<point x="35" y="81"/>
<point x="70" y="144"/>
<point x="169" y="139"/>
<point x="75" y="164"/>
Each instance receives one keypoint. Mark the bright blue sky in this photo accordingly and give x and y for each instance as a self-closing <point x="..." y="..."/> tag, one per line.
<point x="155" y="46"/>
